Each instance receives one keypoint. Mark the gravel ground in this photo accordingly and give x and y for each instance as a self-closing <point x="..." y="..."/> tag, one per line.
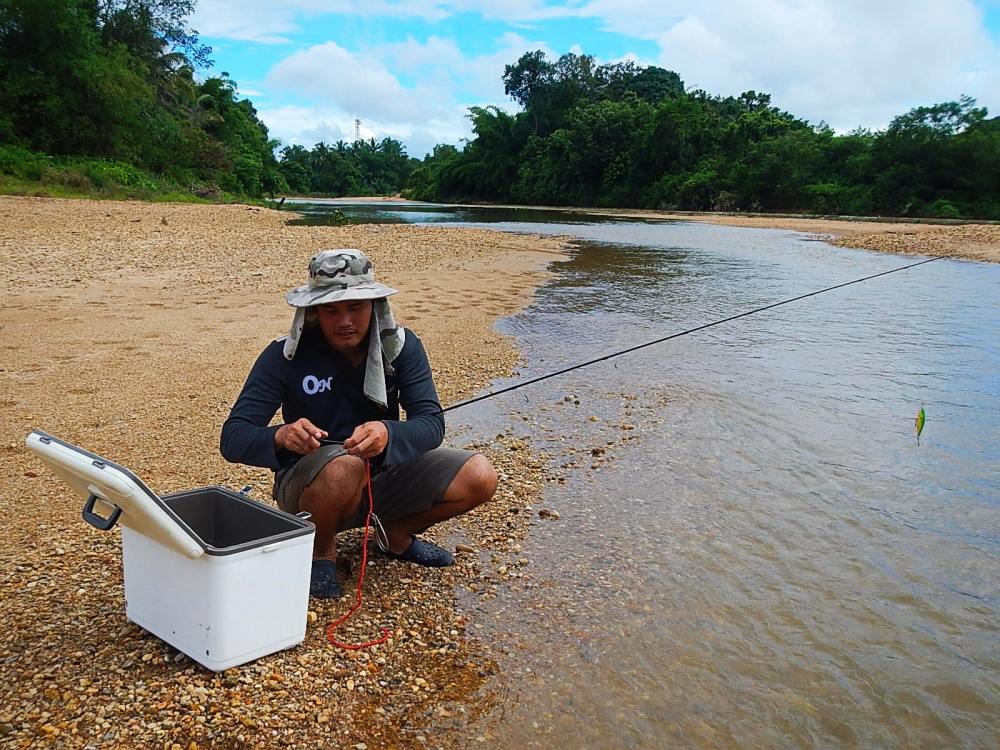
<point x="128" y="329"/>
<point x="969" y="241"/>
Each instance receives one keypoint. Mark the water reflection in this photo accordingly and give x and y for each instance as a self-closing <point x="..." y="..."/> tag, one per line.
<point x="413" y="212"/>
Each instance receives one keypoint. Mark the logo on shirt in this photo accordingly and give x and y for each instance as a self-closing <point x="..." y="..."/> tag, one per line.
<point x="313" y="385"/>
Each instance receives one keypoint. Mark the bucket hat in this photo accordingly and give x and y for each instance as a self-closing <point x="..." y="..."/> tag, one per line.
<point x="347" y="274"/>
<point x="338" y="275"/>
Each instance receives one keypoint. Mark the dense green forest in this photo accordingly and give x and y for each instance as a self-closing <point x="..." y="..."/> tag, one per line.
<point x="105" y="97"/>
<point x="621" y="135"/>
<point x="359" y="168"/>
<point x="103" y="93"/>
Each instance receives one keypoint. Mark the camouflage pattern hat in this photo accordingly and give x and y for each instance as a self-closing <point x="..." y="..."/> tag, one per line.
<point x="337" y="275"/>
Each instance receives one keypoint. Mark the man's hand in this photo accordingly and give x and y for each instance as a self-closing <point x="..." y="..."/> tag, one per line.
<point x="300" y="436"/>
<point x="367" y="440"/>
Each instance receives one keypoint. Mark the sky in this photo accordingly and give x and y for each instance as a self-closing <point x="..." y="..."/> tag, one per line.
<point x="410" y="69"/>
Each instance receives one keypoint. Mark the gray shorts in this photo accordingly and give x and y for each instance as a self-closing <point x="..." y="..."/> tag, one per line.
<point x="400" y="490"/>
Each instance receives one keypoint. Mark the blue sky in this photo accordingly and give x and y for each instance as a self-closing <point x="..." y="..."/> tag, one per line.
<point x="409" y="69"/>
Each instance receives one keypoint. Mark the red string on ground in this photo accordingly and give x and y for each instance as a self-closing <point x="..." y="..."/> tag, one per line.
<point x="332" y="627"/>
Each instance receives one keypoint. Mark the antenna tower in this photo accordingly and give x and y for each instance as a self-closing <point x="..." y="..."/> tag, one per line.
<point x="357" y="130"/>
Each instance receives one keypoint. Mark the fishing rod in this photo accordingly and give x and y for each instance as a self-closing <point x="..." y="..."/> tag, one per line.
<point x="371" y="502"/>
<point x="631" y="349"/>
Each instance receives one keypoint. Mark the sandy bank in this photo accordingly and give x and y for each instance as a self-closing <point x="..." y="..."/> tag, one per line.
<point x="128" y="328"/>
<point x="970" y="241"/>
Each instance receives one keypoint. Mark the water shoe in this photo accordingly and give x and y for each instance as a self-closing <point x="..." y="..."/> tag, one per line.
<point x="428" y="554"/>
<point x="323" y="580"/>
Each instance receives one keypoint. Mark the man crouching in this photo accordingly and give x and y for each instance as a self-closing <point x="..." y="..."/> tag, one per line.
<point x="340" y="378"/>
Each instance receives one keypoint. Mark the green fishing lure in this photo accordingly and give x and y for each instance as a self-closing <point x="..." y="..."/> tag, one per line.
<point x="918" y="423"/>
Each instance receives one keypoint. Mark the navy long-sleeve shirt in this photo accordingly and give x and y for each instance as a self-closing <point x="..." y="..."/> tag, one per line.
<point x="324" y="387"/>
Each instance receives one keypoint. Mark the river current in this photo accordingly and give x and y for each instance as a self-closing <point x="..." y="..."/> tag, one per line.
<point x="753" y="550"/>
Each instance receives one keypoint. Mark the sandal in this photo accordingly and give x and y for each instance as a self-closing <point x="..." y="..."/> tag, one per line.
<point x="422" y="552"/>
<point x="323" y="580"/>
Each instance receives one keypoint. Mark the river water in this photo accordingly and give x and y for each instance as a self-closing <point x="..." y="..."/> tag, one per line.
<point x="753" y="551"/>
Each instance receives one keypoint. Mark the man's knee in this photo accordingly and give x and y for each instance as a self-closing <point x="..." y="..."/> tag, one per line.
<point x="476" y="481"/>
<point x="338" y="485"/>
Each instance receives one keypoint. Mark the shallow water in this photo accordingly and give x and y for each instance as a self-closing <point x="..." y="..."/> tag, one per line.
<point x="763" y="556"/>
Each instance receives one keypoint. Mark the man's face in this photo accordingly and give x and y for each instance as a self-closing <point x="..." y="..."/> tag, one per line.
<point x="345" y="324"/>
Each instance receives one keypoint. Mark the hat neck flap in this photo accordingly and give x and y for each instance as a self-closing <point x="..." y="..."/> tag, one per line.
<point x="385" y="342"/>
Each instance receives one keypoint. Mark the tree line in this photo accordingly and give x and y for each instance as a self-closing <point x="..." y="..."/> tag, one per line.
<point x="114" y="81"/>
<point x="101" y="94"/>
<point x="361" y="168"/>
<point x="629" y="136"/>
<point x="105" y="93"/>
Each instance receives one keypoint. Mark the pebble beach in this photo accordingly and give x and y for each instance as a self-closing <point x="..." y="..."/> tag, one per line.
<point x="128" y="329"/>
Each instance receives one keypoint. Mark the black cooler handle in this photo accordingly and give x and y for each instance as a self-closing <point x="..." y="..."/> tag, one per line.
<point x="99" y="522"/>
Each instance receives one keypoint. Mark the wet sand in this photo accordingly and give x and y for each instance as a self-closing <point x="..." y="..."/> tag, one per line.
<point x="128" y="329"/>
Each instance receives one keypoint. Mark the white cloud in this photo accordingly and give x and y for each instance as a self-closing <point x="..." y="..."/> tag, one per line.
<point x="347" y="84"/>
<point x="357" y="83"/>
<point x="307" y="126"/>
<point x="269" y="21"/>
<point x="250" y="21"/>
<point x="847" y="62"/>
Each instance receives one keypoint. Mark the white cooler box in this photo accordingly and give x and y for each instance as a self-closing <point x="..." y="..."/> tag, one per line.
<point x="218" y="576"/>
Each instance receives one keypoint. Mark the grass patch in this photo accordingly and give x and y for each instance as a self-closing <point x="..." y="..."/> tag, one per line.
<point x="24" y="172"/>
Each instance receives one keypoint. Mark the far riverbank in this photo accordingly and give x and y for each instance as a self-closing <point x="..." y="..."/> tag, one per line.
<point x="970" y="241"/>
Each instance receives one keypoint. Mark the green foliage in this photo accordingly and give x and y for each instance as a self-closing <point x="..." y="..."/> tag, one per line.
<point x="112" y="82"/>
<point x="621" y="135"/>
<point x="31" y="173"/>
<point x="360" y="168"/>
<point x="943" y="209"/>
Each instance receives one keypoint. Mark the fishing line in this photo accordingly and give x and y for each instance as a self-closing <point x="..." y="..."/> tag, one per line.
<point x="631" y="349"/>
<point x="332" y="627"/>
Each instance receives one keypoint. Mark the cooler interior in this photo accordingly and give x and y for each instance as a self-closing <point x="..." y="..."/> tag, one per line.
<point x="229" y="522"/>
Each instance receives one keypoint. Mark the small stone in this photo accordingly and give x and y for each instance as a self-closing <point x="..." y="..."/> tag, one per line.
<point x="31" y="474"/>
<point x="464" y="548"/>
<point x="361" y="746"/>
<point x="6" y="729"/>
<point x="597" y="451"/>
<point x="548" y="513"/>
<point x="312" y="616"/>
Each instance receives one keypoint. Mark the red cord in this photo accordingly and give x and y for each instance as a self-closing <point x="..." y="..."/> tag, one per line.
<point x="361" y="579"/>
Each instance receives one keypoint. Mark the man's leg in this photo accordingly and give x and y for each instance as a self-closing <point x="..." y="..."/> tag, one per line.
<point x="332" y="498"/>
<point x="475" y="484"/>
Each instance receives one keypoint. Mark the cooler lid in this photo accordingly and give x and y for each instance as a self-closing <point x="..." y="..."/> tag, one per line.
<point x="113" y="489"/>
